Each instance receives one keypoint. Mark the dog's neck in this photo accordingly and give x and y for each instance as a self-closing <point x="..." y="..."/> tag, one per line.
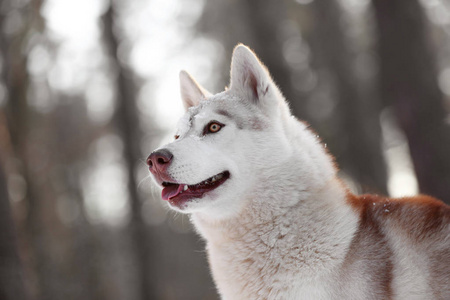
<point x="304" y="240"/>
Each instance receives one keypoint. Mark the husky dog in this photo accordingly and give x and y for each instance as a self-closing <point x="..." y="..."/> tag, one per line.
<point x="278" y="223"/>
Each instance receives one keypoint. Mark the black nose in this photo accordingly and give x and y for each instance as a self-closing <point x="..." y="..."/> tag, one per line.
<point x="159" y="159"/>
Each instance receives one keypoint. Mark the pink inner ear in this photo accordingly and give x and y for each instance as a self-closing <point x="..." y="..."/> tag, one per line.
<point x="253" y="84"/>
<point x="251" y="80"/>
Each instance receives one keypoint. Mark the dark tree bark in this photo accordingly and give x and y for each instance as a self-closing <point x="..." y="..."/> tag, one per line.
<point x="11" y="273"/>
<point x="16" y="78"/>
<point x="360" y="153"/>
<point x="408" y="82"/>
<point x="71" y="133"/>
<point x="127" y="124"/>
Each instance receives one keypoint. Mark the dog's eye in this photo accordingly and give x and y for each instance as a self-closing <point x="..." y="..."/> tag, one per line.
<point x="176" y="137"/>
<point x="213" y="127"/>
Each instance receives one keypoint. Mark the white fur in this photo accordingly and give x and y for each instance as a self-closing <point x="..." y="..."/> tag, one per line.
<point x="263" y="212"/>
<point x="280" y="227"/>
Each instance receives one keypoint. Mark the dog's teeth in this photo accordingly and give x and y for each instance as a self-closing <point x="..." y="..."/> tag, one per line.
<point x="215" y="178"/>
<point x="185" y="188"/>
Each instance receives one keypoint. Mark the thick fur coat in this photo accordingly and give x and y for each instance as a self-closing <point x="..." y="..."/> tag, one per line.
<point x="278" y="224"/>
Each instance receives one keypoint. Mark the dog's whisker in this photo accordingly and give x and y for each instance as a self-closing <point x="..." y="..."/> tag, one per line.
<point x="144" y="179"/>
<point x="143" y="161"/>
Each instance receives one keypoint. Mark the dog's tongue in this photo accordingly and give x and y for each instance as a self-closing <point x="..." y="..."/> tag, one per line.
<point x="171" y="191"/>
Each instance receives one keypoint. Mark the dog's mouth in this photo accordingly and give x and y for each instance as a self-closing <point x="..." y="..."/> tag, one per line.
<point x="178" y="192"/>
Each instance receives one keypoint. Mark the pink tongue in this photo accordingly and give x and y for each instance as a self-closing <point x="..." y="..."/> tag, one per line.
<point x="171" y="191"/>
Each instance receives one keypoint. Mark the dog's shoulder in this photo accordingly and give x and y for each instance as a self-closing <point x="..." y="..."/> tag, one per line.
<point x="422" y="217"/>
<point x="400" y="240"/>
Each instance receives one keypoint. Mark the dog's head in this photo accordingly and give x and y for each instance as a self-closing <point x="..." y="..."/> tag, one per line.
<point x="228" y="146"/>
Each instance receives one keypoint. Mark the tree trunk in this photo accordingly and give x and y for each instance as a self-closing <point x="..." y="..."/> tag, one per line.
<point x="359" y="133"/>
<point x="11" y="273"/>
<point x="408" y="82"/>
<point x="16" y="78"/>
<point x="127" y="123"/>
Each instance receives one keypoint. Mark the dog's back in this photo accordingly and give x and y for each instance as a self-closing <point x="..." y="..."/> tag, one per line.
<point x="401" y="249"/>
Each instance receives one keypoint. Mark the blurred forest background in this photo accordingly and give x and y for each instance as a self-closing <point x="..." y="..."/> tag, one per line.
<point x="89" y="87"/>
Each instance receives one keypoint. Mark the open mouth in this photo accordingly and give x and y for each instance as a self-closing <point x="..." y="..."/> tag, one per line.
<point x="176" y="192"/>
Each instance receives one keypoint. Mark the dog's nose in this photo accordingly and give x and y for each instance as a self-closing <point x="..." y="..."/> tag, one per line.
<point x="159" y="159"/>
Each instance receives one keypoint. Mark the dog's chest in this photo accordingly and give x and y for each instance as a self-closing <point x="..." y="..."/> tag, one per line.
<point x="251" y="271"/>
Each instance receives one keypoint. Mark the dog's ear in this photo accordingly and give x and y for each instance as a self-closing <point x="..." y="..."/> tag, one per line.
<point x="191" y="91"/>
<point x="250" y="78"/>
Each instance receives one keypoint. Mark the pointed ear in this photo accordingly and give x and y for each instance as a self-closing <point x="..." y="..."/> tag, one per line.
<point x="191" y="91"/>
<point x="249" y="77"/>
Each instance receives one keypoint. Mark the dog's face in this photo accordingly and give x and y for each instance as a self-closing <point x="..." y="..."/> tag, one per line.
<point x="223" y="142"/>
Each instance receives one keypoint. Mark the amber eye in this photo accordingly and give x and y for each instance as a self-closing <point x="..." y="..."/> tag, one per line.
<point x="214" y="127"/>
<point x="176" y="136"/>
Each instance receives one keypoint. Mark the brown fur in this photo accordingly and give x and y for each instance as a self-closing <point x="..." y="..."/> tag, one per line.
<point x="423" y="216"/>
<point x="423" y="219"/>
